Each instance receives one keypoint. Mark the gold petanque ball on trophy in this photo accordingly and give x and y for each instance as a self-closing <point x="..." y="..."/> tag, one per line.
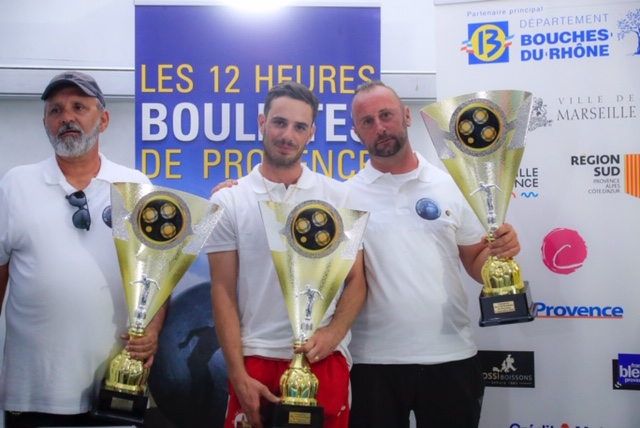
<point x="480" y="139"/>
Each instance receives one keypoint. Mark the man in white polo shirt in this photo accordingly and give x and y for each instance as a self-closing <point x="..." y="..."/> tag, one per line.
<point x="65" y="311"/>
<point x="412" y="342"/>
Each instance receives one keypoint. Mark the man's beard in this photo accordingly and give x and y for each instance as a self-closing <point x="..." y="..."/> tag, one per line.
<point x="399" y="141"/>
<point x="281" y="161"/>
<point x="388" y="151"/>
<point x="72" y="146"/>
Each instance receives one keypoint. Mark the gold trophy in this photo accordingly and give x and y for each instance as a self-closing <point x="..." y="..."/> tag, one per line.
<point x="480" y="139"/>
<point x="313" y="246"/>
<point x="158" y="233"/>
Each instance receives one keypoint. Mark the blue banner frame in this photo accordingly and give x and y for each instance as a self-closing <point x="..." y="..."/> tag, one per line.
<point x="202" y="73"/>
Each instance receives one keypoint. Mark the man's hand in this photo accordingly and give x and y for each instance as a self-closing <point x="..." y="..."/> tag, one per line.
<point x="322" y="344"/>
<point x="142" y="348"/>
<point x="505" y="243"/>
<point x="249" y="392"/>
<point x="145" y="347"/>
<point x="227" y="183"/>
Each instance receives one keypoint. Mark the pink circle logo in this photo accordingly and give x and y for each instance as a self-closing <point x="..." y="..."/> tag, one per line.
<point x="563" y="251"/>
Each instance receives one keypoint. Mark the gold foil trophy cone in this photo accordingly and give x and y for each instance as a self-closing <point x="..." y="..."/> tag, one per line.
<point x="158" y="233"/>
<point x="313" y="246"/>
<point x="480" y="139"/>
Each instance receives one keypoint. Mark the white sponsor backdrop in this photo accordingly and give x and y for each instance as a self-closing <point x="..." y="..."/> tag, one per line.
<point x="576" y="219"/>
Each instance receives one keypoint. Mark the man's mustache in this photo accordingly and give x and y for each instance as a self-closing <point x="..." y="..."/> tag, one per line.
<point x="281" y="143"/>
<point x="69" y="127"/>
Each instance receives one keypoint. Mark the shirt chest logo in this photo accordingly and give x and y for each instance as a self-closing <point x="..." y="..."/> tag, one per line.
<point x="428" y="209"/>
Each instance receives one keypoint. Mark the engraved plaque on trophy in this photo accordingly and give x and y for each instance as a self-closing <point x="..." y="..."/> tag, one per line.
<point x="313" y="246"/>
<point x="480" y="139"/>
<point x="158" y="233"/>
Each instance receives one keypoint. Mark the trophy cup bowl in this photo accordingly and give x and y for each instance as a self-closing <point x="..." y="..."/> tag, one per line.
<point x="158" y="233"/>
<point x="313" y="246"/>
<point x="480" y="139"/>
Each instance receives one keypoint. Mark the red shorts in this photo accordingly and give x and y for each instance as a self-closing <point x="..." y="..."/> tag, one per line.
<point x="333" y="390"/>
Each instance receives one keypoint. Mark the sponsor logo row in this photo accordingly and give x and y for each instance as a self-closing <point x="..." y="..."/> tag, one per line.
<point x="516" y="369"/>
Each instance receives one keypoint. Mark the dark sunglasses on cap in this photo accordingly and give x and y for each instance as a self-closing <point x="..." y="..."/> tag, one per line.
<point x="81" y="218"/>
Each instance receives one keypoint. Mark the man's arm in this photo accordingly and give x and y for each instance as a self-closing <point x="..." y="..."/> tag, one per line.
<point x="224" y="277"/>
<point x="325" y="340"/>
<point x="504" y="245"/>
<point x="144" y="348"/>
<point x="4" y="281"/>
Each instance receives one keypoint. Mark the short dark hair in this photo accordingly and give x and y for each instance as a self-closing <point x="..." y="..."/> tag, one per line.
<point x="293" y="90"/>
<point x="369" y="85"/>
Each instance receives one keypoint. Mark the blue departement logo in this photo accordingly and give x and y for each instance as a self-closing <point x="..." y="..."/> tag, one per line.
<point x="629" y="369"/>
<point x="488" y="42"/>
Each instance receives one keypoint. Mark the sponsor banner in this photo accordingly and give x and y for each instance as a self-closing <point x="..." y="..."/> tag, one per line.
<point x="202" y="74"/>
<point x="200" y="86"/>
<point x="508" y="369"/>
<point x="577" y="193"/>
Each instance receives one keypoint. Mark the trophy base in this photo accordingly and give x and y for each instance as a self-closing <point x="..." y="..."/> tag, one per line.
<point x="117" y="406"/>
<point x="507" y="309"/>
<point x="291" y="416"/>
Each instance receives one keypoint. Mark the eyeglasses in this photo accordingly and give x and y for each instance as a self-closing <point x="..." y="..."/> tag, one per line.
<point x="81" y="218"/>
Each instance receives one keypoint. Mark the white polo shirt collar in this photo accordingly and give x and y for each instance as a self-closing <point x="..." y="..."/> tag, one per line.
<point x="422" y="172"/>
<point x="306" y="181"/>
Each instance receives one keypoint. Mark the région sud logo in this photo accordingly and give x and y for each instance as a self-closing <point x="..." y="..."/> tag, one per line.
<point x="488" y="42"/>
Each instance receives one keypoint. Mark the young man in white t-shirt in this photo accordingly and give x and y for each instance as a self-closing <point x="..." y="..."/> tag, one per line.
<point x="251" y="318"/>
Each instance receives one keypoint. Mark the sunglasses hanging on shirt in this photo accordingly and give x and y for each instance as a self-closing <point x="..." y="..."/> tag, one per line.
<point x="81" y="218"/>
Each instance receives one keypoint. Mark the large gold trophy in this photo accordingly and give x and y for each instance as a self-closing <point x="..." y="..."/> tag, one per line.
<point x="313" y="246"/>
<point x="158" y="233"/>
<point x="480" y="139"/>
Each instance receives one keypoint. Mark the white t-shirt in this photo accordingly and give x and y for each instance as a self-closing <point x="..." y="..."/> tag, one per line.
<point x="416" y="307"/>
<point x="65" y="305"/>
<point x="265" y="326"/>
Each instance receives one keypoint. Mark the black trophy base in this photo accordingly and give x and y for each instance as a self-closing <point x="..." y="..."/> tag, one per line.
<point x="508" y="309"/>
<point x="291" y="416"/>
<point x="122" y="407"/>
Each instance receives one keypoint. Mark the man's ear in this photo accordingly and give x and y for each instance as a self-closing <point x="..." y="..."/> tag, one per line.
<point x="104" y="120"/>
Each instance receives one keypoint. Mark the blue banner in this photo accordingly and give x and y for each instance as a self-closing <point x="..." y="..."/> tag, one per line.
<point x="202" y="73"/>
